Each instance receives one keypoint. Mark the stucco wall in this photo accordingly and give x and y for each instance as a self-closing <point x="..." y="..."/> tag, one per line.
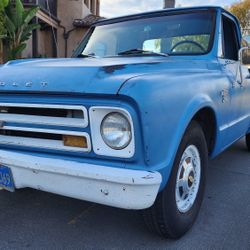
<point x="27" y="53"/>
<point x="44" y="40"/>
<point x="68" y="10"/>
<point x="44" y="45"/>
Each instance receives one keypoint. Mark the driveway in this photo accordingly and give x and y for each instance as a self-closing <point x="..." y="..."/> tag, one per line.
<point x="37" y="220"/>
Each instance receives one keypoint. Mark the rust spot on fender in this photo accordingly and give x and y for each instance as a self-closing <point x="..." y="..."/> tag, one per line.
<point x="113" y="68"/>
<point x="147" y="177"/>
<point x="105" y="192"/>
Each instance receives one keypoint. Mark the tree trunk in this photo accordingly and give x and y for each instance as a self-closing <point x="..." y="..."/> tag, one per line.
<point x="1" y="52"/>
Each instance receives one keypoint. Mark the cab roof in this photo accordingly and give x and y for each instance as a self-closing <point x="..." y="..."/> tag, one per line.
<point x="161" y="12"/>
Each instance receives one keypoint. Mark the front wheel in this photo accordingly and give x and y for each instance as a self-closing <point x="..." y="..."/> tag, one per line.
<point x="178" y="205"/>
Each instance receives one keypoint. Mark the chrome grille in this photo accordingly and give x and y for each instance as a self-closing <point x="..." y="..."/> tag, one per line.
<point x="41" y="114"/>
<point x="43" y="126"/>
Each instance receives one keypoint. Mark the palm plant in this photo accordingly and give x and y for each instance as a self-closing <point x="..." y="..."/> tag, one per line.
<point x="3" y="4"/>
<point x="19" y="27"/>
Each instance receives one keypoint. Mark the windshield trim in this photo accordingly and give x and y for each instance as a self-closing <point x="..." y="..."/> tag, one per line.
<point x="213" y="11"/>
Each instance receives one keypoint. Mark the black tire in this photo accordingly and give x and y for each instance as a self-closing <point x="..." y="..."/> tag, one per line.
<point x="248" y="141"/>
<point x="164" y="216"/>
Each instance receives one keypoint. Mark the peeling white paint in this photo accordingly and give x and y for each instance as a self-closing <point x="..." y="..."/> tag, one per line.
<point x="122" y="188"/>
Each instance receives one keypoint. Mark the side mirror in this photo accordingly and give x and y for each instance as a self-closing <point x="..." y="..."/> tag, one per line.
<point x="244" y="56"/>
<point x="246" y="39"/>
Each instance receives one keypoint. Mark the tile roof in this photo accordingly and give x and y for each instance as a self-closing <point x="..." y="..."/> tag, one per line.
<point x="87" y="21"/>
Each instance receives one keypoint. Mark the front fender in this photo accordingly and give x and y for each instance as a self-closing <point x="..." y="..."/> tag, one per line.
<point x="165" y="111"/>
<point x="195" y="105"/>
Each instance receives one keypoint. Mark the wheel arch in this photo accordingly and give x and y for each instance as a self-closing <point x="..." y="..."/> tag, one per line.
<point x="207" y="119"/>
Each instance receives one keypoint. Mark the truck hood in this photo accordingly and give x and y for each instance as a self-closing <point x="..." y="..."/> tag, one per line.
<point x="80" y="75"/>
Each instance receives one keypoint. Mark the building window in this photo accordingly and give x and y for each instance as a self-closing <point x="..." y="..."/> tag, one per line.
<point x="86" y="3"/>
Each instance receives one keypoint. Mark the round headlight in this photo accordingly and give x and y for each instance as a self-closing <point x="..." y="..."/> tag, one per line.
<point x="116" y="130"/>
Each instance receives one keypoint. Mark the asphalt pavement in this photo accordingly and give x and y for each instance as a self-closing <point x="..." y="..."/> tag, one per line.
<point x="31" y="219"/>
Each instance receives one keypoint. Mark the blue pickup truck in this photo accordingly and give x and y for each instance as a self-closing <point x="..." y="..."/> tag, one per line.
<point x="132" y="119"/>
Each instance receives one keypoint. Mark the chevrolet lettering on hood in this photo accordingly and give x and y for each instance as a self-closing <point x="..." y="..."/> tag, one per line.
<point x="27" y="84"/>
<point x="132" y="118"/>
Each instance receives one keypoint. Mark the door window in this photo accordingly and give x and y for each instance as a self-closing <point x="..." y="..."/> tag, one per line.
<point x="230" y="41"/>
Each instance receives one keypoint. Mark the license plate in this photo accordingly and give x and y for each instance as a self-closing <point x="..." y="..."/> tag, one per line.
<point x="6" y="179"/>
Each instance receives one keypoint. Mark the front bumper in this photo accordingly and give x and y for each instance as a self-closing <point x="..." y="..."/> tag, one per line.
<point x="123" y="188"/>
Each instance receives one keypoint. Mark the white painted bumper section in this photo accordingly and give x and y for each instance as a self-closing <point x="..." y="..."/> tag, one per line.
<point x="129" y="189"/>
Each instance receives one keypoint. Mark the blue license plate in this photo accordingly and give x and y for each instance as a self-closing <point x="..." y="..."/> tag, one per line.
<point x="6" y="179"/>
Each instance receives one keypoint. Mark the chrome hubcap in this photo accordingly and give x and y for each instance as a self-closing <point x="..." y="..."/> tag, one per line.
<point x="188" y="179"/>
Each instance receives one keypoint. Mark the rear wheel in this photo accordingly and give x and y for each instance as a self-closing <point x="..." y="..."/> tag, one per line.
<point x="177" y="206"/>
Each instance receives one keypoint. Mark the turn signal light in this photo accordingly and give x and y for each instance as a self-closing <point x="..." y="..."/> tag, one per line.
<point x="75" y="141"/>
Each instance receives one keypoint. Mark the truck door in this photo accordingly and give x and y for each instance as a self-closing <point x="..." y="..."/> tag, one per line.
<point x="239" y="99"/>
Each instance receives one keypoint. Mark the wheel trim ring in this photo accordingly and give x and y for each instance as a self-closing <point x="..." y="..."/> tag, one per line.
<point x="188" y="179"/>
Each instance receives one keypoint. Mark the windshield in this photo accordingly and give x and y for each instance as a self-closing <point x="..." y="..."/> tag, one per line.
<point x="179" y="34"/>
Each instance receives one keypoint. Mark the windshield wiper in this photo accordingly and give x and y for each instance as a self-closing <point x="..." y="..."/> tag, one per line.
<point x="140" y="52"/>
